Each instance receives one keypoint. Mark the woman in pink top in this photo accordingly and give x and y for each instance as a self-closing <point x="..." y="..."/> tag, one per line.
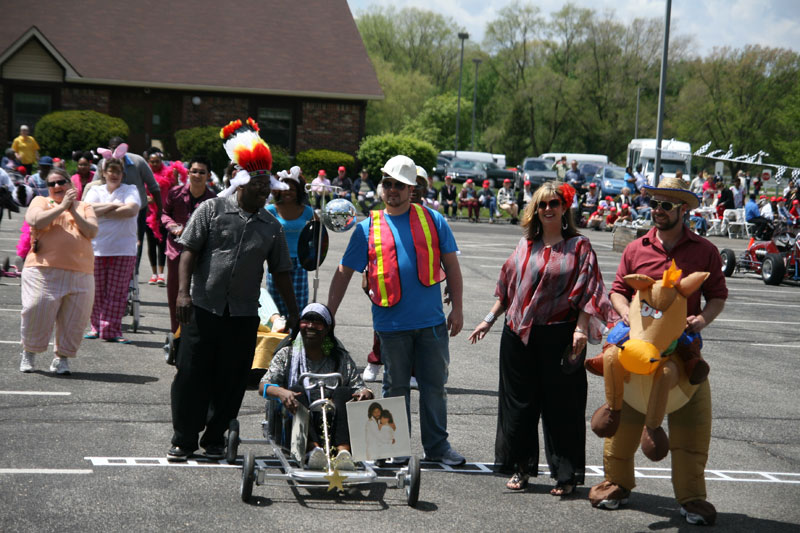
<point x="85" y="175"/>
<point x="58" y="278"/>
<point x="167" y="177"/>
<point x="553" y="296"/>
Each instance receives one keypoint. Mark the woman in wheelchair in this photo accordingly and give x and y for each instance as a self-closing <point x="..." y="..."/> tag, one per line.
<point x="317" y="350"/>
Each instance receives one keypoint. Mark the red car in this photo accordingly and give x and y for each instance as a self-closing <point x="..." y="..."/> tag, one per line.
<point x="776" y="260"/>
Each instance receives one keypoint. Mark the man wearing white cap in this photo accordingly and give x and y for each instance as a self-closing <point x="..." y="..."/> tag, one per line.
<point x="408" y="250"/>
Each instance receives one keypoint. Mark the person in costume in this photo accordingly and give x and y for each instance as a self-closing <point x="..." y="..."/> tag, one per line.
<point x="317" y="351"/>
<point x="293" y="212"/>
<point x="225" y="244"/>
<point x="408" y="250"/>
<point x="689" y="426"/>
<point x="552" y="293"/>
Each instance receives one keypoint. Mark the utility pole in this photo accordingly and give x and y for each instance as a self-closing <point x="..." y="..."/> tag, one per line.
<point x="636" y="126"/>
<point x="463" y="36"/>
<point x="661" y="88"/>
<point x="474" y="101"/>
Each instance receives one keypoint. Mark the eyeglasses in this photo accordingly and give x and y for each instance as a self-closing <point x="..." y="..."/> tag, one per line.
<point x="552" y="204"/>
<point x="393" y="185"/>
<point x="198" y="171"/>
<point x="666" y="206"/>
<point x="313" y="324"/>
<point x="56" y="183"/>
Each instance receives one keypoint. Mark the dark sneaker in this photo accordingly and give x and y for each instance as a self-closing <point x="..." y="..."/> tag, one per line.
<point x="215" y="452"/>
<point x="450" y="458"/>
<point x="176" y="454"/>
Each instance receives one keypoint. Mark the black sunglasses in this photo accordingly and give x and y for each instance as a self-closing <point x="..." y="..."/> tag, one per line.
<point x="552" y="204"/>
<point x="666" y="206"/>
<point x="57" y="182"/>
<point x="393" y="185"/>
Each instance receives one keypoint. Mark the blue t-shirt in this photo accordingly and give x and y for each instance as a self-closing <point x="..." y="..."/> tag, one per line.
<point x="292" y="228"/>
<point x="419" y="306"/>
<point x="751" y="211"/>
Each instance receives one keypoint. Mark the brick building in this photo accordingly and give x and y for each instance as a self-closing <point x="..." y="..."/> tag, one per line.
<point x="299" y="68"/>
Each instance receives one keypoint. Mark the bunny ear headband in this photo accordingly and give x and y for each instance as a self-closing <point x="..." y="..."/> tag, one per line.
<point x="118" y="152"/>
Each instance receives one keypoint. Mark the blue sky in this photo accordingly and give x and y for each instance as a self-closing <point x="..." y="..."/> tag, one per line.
<point x="773" y="23"/>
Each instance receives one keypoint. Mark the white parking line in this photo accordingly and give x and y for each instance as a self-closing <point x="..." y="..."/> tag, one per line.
<point x="776" y="345"/>
<point x="763" y="304"/>
<point x="44" y="471"/>
<point x="757" y="321"/>
<point x="11" y="310"/>
<point x="469" y="468"/>
<point x="33" y="393"/>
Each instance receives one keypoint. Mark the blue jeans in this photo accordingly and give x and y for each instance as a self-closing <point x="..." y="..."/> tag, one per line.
<point x="491" y="204"/>
<point x="427" y="352"/>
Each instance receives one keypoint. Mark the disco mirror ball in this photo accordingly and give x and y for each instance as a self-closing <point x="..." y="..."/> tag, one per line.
<point x="339" y="215"/>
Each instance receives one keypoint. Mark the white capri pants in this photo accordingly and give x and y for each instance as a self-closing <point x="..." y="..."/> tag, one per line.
<point x="54" y="296"/>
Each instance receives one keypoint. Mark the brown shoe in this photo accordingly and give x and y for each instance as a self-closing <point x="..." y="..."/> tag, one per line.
<point x="699" y="512"/>
<point x="655" y="443"/>
<point x="607" y="495"/>
<point x="605" y="421"/>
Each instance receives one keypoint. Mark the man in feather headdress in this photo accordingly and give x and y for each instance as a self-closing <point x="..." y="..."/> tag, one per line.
<point x="225" y="245"/>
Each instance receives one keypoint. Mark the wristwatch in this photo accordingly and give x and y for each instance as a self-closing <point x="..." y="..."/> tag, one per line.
<point x="490" y="318"/>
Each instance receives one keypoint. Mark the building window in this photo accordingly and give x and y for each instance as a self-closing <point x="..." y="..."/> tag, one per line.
<point x="276" y="125"/>
<point x="28" y="108"/>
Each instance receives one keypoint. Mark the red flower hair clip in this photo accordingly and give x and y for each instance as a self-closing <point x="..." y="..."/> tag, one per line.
<point x="568" y="193"/>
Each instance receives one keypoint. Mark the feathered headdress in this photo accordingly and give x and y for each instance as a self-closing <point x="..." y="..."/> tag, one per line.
<point x="246" y="148"/>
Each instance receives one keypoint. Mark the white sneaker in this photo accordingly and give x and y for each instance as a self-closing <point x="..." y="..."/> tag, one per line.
<point x="371" y="372"/>
<point x="60" y="365"/>
<point x="317" y="459"/>
<point x="26" y="363"/>
<point x="344" y="461"/>
<point x="413" y="383"/>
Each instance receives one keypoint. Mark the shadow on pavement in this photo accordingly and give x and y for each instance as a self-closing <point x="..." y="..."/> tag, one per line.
<point x="111" y="378"/>
<point x="473" y="392"/>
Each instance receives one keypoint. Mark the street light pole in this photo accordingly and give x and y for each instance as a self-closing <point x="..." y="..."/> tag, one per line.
<point x="636" y="127"/>
<point x="661" y="89"/>
<point x="463" y="36"/>
<point x="474" y="101"/>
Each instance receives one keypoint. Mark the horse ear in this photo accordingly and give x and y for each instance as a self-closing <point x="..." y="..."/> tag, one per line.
<point x="639" y="282"/>
<point x="687" y="285"/>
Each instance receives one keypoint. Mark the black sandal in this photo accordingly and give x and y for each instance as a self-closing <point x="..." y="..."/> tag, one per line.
<point x="563" y="489"/>
<point x="518" y="481"/>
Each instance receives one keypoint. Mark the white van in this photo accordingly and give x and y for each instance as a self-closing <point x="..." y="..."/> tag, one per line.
<point x="675" y="155"/>
<point x="580" y="158"/>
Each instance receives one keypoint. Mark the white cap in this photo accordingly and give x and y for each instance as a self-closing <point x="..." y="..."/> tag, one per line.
<point x="421" y="172"/>
<point x="402" y="169"/>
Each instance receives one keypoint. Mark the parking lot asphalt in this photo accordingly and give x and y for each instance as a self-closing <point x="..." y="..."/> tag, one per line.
<point x="86" y="452"/>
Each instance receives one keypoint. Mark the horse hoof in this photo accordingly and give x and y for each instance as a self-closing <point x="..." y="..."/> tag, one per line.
<point x="655" y="443"/>
<point x="605" y="421"/>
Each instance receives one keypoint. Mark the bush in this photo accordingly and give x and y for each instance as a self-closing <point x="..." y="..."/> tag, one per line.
<point x="375" y="150"/>
<point x="281" y="160"/>
<point x="311" y="161"/>
<point x="205" y="141"/>
<point x="62" y="132"/>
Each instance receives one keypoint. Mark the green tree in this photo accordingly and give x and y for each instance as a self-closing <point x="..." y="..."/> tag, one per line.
<point x="436" y="122"/>
<point x="404" y="93"/>
<point x="203" y="141"/>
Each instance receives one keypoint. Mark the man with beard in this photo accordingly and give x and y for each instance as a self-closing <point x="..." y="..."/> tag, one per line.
<point x="689" y="426"/>
<point x="408" y="250"/>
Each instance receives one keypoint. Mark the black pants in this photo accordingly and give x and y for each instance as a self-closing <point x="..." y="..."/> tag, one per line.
<point x="214" y="359"/>
<point x="450" y="210"/>
<point x="532" y="384"/>
<point x="156" y="249"/>
<point x="338" y="430"/>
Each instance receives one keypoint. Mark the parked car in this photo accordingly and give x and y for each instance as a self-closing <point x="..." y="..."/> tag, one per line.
<point x="537" y="171"/>
<point x="441" y="166"/>
<point x="610" y="180"/>
<point x="462" y="169"/>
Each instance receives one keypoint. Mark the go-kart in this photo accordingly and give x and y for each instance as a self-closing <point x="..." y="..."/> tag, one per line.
<point x="776" y="260"/>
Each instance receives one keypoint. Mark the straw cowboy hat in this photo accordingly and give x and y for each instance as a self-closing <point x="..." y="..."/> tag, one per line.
<point x="677" y="189"/>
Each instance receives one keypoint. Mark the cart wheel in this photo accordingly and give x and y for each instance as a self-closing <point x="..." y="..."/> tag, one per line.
<point x="773" y="269"/>
<point x="728" y="262"/>
<point x="248" y="476"/>
<point x="412" y="481"/>
<point x="233" y="442"/>
<point x="135" y="313"/>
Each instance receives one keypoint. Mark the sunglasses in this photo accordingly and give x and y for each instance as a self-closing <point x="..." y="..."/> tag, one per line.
<point x="56" y="183"/>
<point x="393" y="185"/>
<point x="666" y="206"/>
<point x="313" y="324"/>
<point x="552" y="204"/>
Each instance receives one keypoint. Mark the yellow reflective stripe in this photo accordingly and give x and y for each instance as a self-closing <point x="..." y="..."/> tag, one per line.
<point x="428" y="242"/>
<point x="376" y="236"/>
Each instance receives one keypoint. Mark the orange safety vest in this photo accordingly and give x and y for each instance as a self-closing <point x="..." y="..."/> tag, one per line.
<point x="383" y="273"/>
